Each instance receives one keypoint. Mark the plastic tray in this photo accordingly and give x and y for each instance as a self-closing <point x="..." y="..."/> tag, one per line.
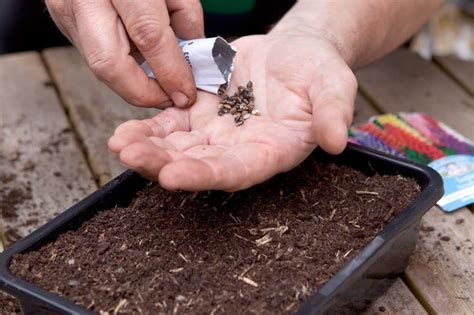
<point x="360" y="280"/>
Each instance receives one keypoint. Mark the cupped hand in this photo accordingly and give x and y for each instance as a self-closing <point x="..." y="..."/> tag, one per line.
<point x="109" y="32"/>
<point x="304" y="91"/>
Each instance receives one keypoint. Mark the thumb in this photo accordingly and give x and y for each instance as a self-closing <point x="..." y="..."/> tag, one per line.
<point x="333" y="100"/>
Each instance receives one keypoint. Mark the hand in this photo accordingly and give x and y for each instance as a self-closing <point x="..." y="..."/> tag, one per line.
<point x="305" y="92"/>
<point x="102" y="31"/>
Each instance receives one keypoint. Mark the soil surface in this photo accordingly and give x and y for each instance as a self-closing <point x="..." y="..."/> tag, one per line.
<point x="263" y="250"/>
<point x="8" y="305"/>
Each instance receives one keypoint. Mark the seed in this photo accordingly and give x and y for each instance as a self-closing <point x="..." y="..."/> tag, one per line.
<point x="73" y="283"/>
<point x="222" y="89"/>
<point x="240" y="105"/>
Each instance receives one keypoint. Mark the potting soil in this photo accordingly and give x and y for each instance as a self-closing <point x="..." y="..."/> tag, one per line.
<point x="263" y="250"/>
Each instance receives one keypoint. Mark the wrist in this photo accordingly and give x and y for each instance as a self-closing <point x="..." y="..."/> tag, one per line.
<point x="297" y="23"/>
<point x="314" y="34"/>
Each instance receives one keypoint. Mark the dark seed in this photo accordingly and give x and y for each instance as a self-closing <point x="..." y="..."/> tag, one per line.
<point x="445" y="238"/>
<point x="220" y="113"/>
<point x="249" y="85"/>
<point x="239" y="122"/>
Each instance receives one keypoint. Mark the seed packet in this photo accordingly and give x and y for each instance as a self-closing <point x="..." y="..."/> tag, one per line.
<point x="458" y="175"/>
<point x="211" y="61"/>
<point x="420" y="138"/>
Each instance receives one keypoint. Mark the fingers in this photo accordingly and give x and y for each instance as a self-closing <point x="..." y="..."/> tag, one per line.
<point x="105" y="46"/>
<point x="62" y="15"/>
<point x="145" y="158"/>
<point x="120" y="141"/>
<point x="165" y="123"/>
<point x="187" y="18"/>
<point x="233" y="169"/>
<point x="148" y="25"/>
<point x="333" y="105"/>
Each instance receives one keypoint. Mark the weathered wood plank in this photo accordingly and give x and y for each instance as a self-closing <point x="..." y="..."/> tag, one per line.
<point x="94" y="109"/>
<point x="461" y="70"/>
<point x="437" y="271"/>
<point x="398" y="300"/>
<point x="441" y="270"/>
<point x="42" y="170"/>
<point x="402" y="81"/>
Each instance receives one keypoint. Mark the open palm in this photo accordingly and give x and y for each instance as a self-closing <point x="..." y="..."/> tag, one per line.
<point x="304" y="91"/>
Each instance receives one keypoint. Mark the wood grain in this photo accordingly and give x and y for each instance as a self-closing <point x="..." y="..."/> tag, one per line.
<point x="42" y="169"/>
<point x="402" y="81"/>
<point x="398" y="300"/>
<point x="441" y="270"/>
<point x="461" y="70"/>
<point x="95" y="110"/>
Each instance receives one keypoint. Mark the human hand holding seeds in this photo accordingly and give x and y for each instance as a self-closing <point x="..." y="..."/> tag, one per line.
<point x="303" y="87"/>
<point x="305" y="98"/>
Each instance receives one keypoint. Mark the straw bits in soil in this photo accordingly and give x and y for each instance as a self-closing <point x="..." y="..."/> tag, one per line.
<point x="240" y="105"/>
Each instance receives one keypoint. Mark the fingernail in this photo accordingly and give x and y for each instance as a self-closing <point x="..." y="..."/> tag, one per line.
<point x="180" y="99"/>
<point x="165" y="104"/>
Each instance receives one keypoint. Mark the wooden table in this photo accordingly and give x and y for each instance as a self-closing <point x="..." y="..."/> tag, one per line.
<point x="56" y="119"/>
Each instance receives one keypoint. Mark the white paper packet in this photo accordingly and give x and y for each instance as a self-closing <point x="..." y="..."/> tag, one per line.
<point x="211" y="61"/>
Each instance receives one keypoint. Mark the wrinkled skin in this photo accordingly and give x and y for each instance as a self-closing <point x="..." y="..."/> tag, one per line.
<point x="305" y="92"/>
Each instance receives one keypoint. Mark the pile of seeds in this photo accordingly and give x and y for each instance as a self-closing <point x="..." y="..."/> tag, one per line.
<point x="240" y="105"/>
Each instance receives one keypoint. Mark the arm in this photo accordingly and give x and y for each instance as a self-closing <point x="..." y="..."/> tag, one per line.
<point x="362" y="30"/>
